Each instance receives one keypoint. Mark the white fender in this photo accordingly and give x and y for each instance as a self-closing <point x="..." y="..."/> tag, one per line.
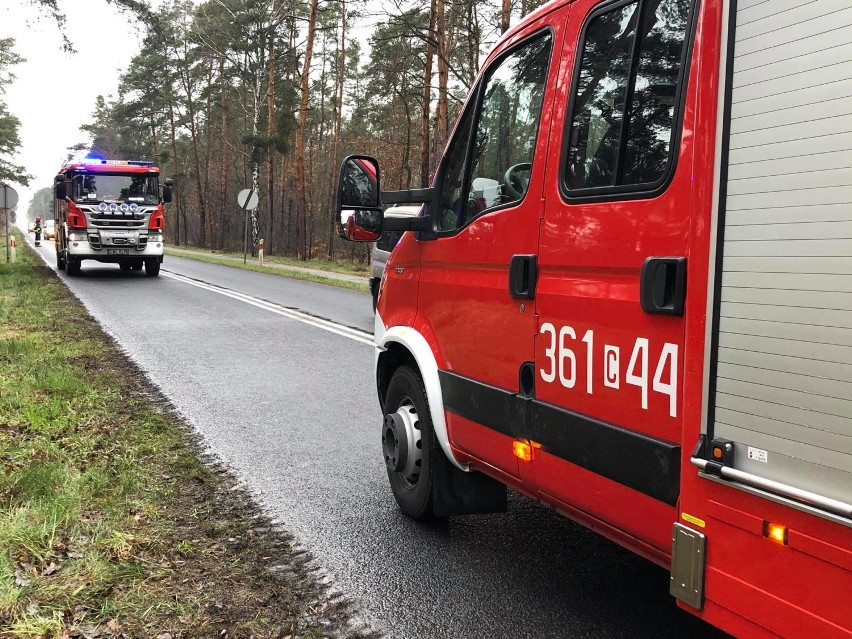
<point x="419" y="348"/>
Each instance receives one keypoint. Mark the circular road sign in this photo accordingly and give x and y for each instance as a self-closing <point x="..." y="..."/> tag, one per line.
<point x="247" y="199"/>
<point x="8" y="197"/>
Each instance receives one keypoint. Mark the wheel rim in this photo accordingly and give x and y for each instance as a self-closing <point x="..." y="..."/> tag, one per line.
<point x="407" y="415"/>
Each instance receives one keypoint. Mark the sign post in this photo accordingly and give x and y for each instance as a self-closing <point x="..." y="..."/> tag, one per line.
<point x="247" y="199"/>
<point x="8" y="200"/>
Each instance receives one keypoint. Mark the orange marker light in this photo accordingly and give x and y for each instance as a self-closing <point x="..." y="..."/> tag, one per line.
<point x="522" y="450"/>
<point x="775" y="532"/>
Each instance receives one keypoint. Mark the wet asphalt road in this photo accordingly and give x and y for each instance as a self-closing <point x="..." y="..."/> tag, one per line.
<point x="293" y="409"/>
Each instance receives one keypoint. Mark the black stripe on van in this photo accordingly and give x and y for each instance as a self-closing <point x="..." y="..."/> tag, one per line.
<point x="648" y="465"/>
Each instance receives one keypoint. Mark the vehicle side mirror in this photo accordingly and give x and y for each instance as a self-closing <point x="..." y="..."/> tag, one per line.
<point x="59" y="188"/>
<point x="359" y="210"/>
<point x="167" y="190"/>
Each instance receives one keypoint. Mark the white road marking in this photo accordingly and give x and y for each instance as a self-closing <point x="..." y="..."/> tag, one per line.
<point x="332" y="327"/>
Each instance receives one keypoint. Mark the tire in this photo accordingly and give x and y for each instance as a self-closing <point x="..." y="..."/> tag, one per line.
<point x="407" y="393"/>
<point x="152" y="266"/>
<point x="375" y="297"/>
<point x="73" y="266"/>
<point x="60" y="259"/>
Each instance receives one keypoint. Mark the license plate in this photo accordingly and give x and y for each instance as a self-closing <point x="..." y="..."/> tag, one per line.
<point x="118" y="251"/>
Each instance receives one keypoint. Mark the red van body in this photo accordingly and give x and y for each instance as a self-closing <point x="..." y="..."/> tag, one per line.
<point x="652" y="338"/>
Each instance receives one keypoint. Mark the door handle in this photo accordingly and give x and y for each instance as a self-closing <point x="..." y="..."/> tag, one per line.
<point x="523" y="274"/>
<point x="662" y="285"/>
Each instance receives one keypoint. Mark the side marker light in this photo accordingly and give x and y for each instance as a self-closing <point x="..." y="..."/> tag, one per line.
<point x="775" y="532"/>
<point x="522" y="450"/>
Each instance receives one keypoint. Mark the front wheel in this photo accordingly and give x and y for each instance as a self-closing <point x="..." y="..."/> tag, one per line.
<point x="409" y="445"/>
<point x="152" y="266"/>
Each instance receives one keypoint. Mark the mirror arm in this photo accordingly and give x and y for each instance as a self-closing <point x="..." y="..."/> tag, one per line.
<point x="407" y="224"/>
<point x="408" y="196"/>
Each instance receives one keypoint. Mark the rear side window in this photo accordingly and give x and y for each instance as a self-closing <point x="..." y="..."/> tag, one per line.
<point x="626" y="97"/>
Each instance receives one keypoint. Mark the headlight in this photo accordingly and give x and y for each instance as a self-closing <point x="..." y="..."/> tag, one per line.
<point x="155" y="237"/>
<point x="77" y="236"/>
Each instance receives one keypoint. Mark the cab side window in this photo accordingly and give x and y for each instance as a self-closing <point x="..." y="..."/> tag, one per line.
<point x="499" y="151"/>
<point x="625" y="100"/>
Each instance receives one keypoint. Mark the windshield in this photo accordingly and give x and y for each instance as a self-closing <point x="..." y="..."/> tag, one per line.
<point x="91" y="188"/>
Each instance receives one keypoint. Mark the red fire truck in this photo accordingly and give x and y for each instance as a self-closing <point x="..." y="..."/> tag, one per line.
<point x="629" y="295"/>
<point x="110" y="211"/>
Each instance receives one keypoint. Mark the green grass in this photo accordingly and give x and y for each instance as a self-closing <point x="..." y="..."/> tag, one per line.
<point x="283" y="272"/>
<point x="338" y="266"/>
<point x="107" y="518"/>
<point x="76" y="484"/>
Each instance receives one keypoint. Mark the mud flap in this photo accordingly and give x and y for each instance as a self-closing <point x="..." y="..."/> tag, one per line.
<point x="455" y="492"/>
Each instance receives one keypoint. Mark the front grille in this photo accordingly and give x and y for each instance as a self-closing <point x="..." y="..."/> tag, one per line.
<point x="117" y="221"/>
<point x="118" y="224"/>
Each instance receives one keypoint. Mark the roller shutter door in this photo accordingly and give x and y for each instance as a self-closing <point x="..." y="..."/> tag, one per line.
<point x="783" y="362"/>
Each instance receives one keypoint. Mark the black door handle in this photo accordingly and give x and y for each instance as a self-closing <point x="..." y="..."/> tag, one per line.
<point x="662" y="285"/>
<point x="523" y="274"/>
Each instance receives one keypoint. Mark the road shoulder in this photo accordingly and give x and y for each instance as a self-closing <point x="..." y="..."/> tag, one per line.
<point x="114" y="520"/>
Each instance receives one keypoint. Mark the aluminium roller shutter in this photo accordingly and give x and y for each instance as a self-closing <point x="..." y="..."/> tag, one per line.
<point x="783" y="367"/>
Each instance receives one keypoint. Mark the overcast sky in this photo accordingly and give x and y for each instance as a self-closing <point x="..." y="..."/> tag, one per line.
<point x="55" y="91"/>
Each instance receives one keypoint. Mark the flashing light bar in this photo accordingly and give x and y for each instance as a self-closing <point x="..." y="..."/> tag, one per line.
<point x="114" y="163"/>
<point x="123" y="163"/>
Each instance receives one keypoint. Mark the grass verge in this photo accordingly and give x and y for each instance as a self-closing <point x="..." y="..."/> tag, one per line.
<point x="345" y="266"/>
<point x="279" y="266"/>
<point x="110" y="525"/>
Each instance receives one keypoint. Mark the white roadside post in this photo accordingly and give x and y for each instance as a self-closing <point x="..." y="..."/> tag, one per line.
<point x="260" y="251"/>
<point x="247" y="199"/>
<point x="8" y="200"/>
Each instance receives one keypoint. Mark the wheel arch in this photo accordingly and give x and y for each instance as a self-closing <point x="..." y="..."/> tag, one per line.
<point x="403" y="346"/>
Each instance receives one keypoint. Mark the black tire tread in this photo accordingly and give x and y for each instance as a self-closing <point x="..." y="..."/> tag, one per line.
<point x="73" y="266"/>
<point x="416" y="503"/>
<point x="152" y="266"/>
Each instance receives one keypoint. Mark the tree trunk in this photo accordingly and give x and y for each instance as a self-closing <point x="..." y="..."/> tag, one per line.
<point x="223" y="169"/>
<point x="425" y="159"/>
<point x="202" y="212"/>
<point x="338" y="125"/>
<point x="442" y="124"/>
<point x="190" y="105"/>
<point x="208" y="148"/>
<point x="154" y="148"/>
<point x="505" y="14"/>
<point x="301" y="204"/>
<point x="176" y="194"/>
<point x="473" y="38"/>
<point x="270" y="132"/>
<point x="255" y="164"/>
